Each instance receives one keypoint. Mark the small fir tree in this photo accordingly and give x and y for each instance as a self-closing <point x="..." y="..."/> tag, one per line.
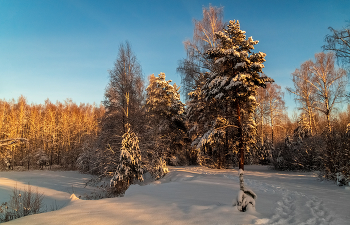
<point x="129" y="168"/>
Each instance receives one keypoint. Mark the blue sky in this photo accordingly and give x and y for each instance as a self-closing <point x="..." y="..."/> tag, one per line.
<point x="64" y="49"/>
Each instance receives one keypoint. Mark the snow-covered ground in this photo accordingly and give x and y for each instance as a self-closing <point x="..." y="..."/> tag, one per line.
<point x="187" y="195"/>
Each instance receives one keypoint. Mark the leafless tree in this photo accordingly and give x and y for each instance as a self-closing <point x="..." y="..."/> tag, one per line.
<point x="339" y="42"/>
<point x="304" y="91"/>
<point x="329" y="84"/>
<point x="275" y="106"/>
<point x="204" y="38"/>
<point x="125" y="77"/>
<point x="260" y="112"/>
<point x="319" y="86"/>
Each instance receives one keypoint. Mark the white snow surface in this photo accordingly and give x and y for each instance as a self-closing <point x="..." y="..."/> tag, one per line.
<point x="188" y="195"/>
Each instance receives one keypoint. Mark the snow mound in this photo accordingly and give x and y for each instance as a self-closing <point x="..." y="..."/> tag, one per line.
<point x="74" y="198"/>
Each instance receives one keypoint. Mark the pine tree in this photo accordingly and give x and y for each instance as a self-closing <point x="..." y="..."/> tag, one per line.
<point x="234" y="83"/>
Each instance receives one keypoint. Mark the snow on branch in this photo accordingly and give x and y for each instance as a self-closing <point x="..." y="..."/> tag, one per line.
<point x="12" y="141"/>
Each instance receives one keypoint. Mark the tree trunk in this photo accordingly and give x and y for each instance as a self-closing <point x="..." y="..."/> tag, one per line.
<point x="310" y="119"/>
<point x="272" y="133"/>
<point x="328" y="122"/>
<point x="272" y="120"/>
<point x="13" y="157"/>
<point x="240" y="133"/>
<point x="262" y="132"/>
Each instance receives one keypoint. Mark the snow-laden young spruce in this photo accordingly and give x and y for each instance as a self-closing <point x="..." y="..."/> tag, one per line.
<point x="233" y="84"/>
<point x="129" y="168"/>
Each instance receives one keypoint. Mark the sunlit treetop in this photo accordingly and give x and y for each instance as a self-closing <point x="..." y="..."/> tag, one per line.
<point x="238" y="70"/>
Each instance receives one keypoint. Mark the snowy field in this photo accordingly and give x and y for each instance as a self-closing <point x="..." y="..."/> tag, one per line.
<point x="187" y="195"/>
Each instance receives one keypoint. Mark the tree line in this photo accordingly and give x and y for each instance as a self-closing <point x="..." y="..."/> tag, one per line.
<point x="35" y="135"/>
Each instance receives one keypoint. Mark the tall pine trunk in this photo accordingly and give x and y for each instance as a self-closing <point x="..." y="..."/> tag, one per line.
<point x="241" y="150"/>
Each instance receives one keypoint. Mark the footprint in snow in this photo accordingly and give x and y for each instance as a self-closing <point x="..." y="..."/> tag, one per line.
<point x="297" y="208"/>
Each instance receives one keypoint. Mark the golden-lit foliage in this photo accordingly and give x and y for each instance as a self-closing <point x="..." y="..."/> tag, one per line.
<point x="59" y="130"/>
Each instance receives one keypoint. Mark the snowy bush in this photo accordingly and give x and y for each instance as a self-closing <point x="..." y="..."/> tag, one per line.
<point x="83" y="162"/>
<point x="342" y="179"/>
<point x="336" y="157"/>
<point x="298" y="154"/>
<point x="301" y="152"/>
<point x="328" y="153"/>
<point x="174" y="161"/>
<point x="158" y="168"/>
<point x="263" y="152"/>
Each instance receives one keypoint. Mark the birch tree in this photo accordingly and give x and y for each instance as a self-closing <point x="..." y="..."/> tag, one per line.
<point x="275" y="106"/>
<point x="260" y="113"/>
<point x="196" y="63"/>
<point x="304" y="92"/>
<point x="328" y="82"/>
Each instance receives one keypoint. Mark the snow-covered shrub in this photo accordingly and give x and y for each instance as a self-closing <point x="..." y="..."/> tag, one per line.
<point x="83" y="162"/>
<point x="336" y="157"/>
<point x="174" y="161"/>
<point x="298" y="154"/>
<point x="341" y="179"/>
<point x="328" y="153"/>
<point x="158" y="168"/>
<point x="263" y="153"/>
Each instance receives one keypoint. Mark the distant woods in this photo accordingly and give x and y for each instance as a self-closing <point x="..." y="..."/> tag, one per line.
<point x="51" y="134"/>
